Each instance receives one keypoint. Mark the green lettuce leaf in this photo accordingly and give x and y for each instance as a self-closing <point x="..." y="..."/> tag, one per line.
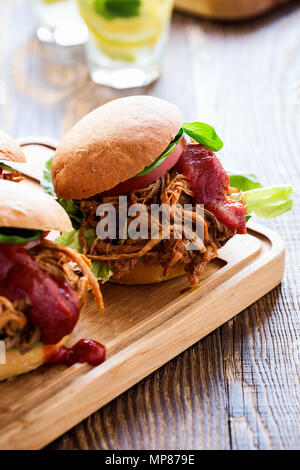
<point x="268" y="202"/>
<point x="203" y="134"/>
<point x="90" y="235"/>
<point x="46" y="180"/>
<point x="102" y="272"/>
<point x="74" y="212"/>
<point x="17" y="235"/>
<point x="70" y="239"/>
<point x="162" y="157"/>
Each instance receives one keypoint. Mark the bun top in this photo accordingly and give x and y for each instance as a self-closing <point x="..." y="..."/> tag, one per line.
<point x="112" y="144"/>
<point x="10" y="150"/>
<point x="30" y="209"/>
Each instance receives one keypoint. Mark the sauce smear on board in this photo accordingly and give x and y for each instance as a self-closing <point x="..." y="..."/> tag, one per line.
<point x="85" y="350"/>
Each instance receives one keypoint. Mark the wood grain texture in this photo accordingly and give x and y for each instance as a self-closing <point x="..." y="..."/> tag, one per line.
<point x="239" y="387"/>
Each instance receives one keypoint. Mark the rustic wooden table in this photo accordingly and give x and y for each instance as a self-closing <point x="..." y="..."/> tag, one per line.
<point x="239" y="387"/>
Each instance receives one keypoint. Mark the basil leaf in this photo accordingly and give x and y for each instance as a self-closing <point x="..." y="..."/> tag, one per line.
<point x="6" y="167"/>
<point x="203" y="134"/>
<point x="18" y="235"/>
<point x="111" y="9"/>
<point x="46" y="180"/>
<point x="162" y="157"/>
<point x="243" y="181"/>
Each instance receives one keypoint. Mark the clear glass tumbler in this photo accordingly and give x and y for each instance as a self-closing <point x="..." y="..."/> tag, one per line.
<point x="59" y="22"/>
<point x="127" y="39"/>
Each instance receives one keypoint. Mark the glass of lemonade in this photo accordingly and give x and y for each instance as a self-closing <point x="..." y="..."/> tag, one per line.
<point x="126" y="40"/>
<point x="59" y="22"/>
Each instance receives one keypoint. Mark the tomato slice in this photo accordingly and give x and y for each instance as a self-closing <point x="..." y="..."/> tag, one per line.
<point x="30" y="245"/>
<point x="138" y="182"/>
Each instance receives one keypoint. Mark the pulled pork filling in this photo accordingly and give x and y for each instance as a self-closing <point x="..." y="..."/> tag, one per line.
<point x="15" y="330"/>
<point x="58" y="262"/>
<point x="12" y="175"/>
<point x="122" y="255"/>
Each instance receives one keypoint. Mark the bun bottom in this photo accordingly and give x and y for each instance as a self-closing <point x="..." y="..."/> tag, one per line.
<point x="144" y="273"/>
<point x="17" y="363"/>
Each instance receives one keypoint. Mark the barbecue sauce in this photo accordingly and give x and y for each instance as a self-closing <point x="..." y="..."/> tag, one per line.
<point x="53" y="304"/>
<point x="85" y="350"/>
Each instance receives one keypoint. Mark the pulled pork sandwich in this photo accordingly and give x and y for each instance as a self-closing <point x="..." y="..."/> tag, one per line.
<point x="139" y="147"/>
<point x="43" y="286"/>
<point x="10" y="151"/>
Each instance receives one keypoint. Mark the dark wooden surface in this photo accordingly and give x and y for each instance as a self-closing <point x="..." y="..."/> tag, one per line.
<point x="239" y="387"/>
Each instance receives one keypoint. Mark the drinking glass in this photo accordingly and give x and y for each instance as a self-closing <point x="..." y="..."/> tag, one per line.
<point x="59" y="22"/>
<point x="126" y="40"/>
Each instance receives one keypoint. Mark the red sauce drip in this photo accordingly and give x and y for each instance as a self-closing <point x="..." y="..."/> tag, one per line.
<point x="210" y="184"/>
<point x="85" y="350"/>
<point x="54" y="305"/>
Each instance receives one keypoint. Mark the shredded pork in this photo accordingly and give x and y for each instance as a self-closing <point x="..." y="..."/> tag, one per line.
<point x="121" y="255"/>
<point x="15" y="330"/>
<point x="13" y="175"/>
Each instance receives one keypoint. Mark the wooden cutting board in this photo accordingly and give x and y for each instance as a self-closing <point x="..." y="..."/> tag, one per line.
<point x="142" y="328"/>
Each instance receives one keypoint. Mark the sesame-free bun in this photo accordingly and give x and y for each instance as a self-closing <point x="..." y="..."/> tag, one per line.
<point x="30" y="208"/>
<point x="10" y="150"/>
<point x="17" y="363"/>
<point x="145" y="273"/>
<point x="112" y="144"/>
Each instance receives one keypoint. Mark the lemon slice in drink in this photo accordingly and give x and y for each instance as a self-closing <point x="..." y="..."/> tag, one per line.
<point x="119" y="37"/>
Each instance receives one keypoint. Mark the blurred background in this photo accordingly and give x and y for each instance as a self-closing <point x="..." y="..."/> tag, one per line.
<point x="234" y="64"/>
<point x="241" y="77"/>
